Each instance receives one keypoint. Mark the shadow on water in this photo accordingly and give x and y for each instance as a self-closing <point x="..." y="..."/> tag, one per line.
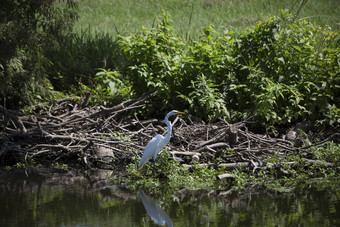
<point x="45" y="197"/>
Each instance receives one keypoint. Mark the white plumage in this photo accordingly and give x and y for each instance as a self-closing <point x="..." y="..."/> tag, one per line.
<point x="158" y="142"/>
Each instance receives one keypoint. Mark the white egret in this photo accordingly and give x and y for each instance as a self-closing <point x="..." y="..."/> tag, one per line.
<point x="158" y="142"/>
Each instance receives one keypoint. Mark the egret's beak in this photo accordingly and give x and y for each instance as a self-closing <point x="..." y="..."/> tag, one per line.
<point x="179" y="112"/>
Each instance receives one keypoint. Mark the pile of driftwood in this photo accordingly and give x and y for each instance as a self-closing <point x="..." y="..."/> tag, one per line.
<point x="67" y="131"/>
<point x="70" y="131"/>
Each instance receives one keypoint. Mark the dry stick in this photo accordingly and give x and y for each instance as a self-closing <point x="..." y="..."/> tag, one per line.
<point x="267" y="141"/>
<point x="139" y="122"/>
<point x="226" y="175"/>
<point x="102" y="112"/>
<point x="17" y="121"/>
<point x="85" y="139"/>
<point x="39" y="152"/>
<point x="134" y="123"/>
<point x="224" y="165"/>
<point x="61" y="116"/>
<point x="56" y="146"/>
<point x="255" y="165"/>
<point x="174" y="122"/>
<point x="212" y="140"/>
<point x="112" y="148"/>
<point x="85" y="156"/>
<point x="79" y="138"/>
<point x="321" y="142"/>
<point x="285" y="141"/>
<point x="93" y="115"/>
<point x="233" y="134"/>
<point x="212" y="151"/>
<point x="182" y="123"/>
<point x="136" y="102"/>
<point x="210" y="147"/>
<point x="80" y="148"/>
<point x="186" y="153"/>
<point x="123" y="110"/>
<point x="237" y="164"/>
<point x="207" y="133"/>
<point x="318" y="162"/>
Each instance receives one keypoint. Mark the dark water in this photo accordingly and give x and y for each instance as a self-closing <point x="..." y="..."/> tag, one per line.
<point x="54" y="198"/>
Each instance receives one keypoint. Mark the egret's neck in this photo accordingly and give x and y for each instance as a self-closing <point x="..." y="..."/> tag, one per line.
<point x="168" y="123"/>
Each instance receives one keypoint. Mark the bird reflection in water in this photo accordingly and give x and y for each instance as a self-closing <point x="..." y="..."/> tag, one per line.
<point x="154" y="211"/>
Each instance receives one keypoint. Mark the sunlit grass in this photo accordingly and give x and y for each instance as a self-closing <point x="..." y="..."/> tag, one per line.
<point x="128" y="16"/>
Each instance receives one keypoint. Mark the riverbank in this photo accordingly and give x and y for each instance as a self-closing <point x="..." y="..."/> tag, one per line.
<point x="216" y="156"/>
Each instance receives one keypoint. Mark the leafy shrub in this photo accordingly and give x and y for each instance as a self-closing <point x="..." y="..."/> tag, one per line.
<point x="205" y="99"/>
<point x="298" y="66"/>
<point x="329" y="152"/>
<point x="158" y="59"/>
<point x="27" y="29"/>
<point x="155" y="60"/>
<point x="282" y="71"/>
<point x="108" y="88"/>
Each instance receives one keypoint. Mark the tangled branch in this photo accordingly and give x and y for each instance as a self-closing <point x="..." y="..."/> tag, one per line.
<point x="103" y="137"/>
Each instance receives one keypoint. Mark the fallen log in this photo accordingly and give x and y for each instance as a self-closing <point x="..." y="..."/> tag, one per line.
<point x="253" y="164"/>
<point x="226" y="175"/>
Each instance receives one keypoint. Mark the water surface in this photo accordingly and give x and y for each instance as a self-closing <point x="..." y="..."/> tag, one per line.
<point x="46" y="197"/>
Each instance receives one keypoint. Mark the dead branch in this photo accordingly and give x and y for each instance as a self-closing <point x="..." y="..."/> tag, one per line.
<point x="72" y="129"/>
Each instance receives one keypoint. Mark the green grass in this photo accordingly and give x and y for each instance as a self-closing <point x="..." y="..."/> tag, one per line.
<point x="128" y="16"/>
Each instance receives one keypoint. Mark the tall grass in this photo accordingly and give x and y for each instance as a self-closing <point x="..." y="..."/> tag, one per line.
<point x="78" y="58"/>
<point x="128" y="16"/>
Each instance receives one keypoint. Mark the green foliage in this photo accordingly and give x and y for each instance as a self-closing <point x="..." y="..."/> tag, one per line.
<point x="285" y="177"/>
<point x="107" y="88"/>
<point x="27" y="29"/>
<point x="281" y="71"/>
<point x="284" y="63"/>
<point x="329" y="152"/>
<point x="158" y="59"/>
<point x="154" y="60"/>
<point x="60" y="166"/>
<point x="274" y="176"/>
<point x="205" y="100"/>
<point x="171" y="175"/>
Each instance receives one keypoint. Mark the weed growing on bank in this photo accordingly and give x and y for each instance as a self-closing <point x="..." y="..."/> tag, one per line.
<point x="278" y="175"/>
